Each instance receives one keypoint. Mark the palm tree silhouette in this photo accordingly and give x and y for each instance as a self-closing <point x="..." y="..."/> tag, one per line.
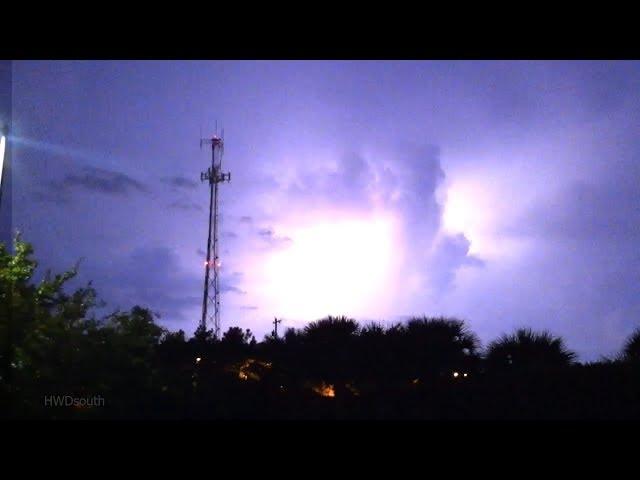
<point x="526" y="349"/>
<point x="631" y="350"/>
<point x="439" y="346"/>
<point x="330" y="329"/>
<point x="328" y="349"/>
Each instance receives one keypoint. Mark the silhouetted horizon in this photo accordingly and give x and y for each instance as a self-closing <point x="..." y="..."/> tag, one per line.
<point x="58" y="360"/>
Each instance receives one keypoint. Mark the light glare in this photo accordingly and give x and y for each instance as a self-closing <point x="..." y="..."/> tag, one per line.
<point x="340" y="266"/>
<point x="3" y="141"/>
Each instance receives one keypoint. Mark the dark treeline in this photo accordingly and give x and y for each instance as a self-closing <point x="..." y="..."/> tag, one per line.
<point x="58" y="360"/>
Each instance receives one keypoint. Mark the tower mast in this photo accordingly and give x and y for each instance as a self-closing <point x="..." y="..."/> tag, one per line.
<point x="214" y="175"/>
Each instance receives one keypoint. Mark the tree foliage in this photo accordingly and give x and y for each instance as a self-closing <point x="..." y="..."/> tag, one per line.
<point x="529" y="350"/>
<point x="631" y="349"/>
<point x="53" y="342"/>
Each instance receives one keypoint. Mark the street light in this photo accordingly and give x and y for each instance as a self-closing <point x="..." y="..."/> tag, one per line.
<point x="3" y="145"/>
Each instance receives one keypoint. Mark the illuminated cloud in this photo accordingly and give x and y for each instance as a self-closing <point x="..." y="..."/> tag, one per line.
<point x="271" y="238"/>
<point x="516" y="204"/>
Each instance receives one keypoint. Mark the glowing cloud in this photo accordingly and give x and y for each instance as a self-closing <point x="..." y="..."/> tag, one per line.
<point x="466" y="211"/>
<point x="331" y="266"/>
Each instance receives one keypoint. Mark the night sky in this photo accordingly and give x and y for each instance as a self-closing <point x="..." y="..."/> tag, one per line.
<point x="504" y="193"/>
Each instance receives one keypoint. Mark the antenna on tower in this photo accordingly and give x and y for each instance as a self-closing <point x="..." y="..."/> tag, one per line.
<point x="214" y="175"/>
<point x="275" y="322"/>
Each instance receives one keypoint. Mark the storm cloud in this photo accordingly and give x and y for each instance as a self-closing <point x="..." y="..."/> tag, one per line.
<point x="541" y="159"/>
<point x="179" y="182"/>
<point x="101" y="180"/>
<point x="186" y="205"/>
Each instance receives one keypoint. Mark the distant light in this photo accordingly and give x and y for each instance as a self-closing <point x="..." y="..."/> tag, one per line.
<point x="455" y="374"/>
<point x="198" y="359"/>
<point x="205" y="263"/>
<point x="325" y="390"/>
<point x="464" y="375"/>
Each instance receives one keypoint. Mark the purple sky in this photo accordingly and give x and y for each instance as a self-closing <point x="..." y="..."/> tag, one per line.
<point x="504" y="193"/>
